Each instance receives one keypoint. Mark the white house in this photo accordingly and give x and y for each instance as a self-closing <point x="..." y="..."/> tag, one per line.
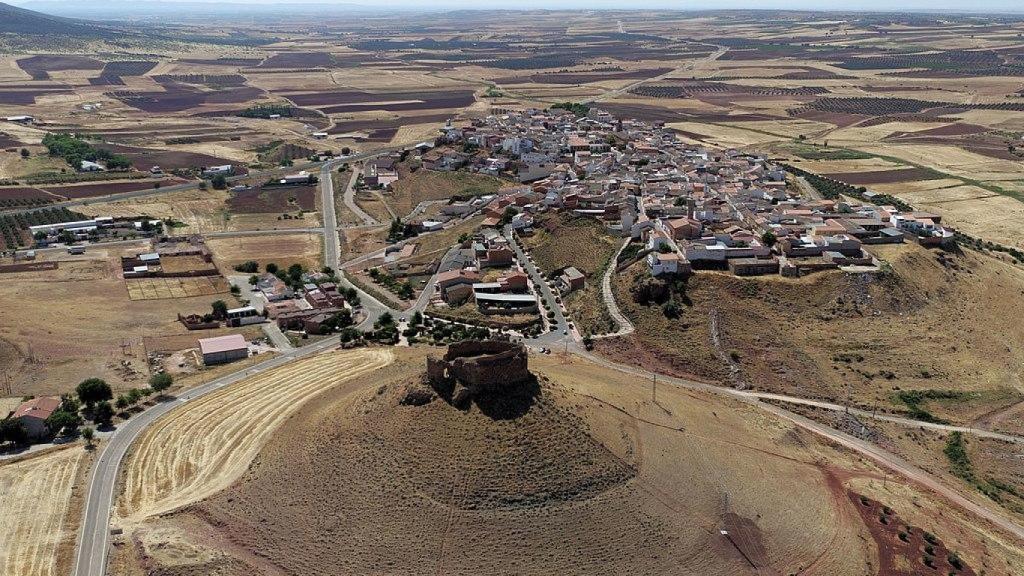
<point x="663" y="263"/>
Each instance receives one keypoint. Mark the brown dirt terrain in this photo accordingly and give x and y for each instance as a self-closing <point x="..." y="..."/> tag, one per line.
<point x="282" y="249"/>
<point x="936" y="322"/>
<point x="587" y="476"/>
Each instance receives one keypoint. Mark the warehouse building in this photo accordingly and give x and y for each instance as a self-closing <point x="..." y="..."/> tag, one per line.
<point x="223" y="349"/>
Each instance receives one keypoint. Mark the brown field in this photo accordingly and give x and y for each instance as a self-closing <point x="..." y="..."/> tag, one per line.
<point x="283" y="249"/>
<point x="160" y="288"/>
<point x="590" y="475"/>
<point x="48" y="349"/>
<point x="36" y="511"/>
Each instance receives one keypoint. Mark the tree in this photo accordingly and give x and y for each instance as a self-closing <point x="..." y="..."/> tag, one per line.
<point x="219" y="182"/>
<point x="508" y="215"/>
<point x="271" y="268"/>
<point x="88" y="434"/>
<point x="220" y="309"/>
<point x="13" y="431"/>
<point x="768" y="238"/>
<point x="25" y="153"/>
<point x="93" y="390"/>
<point x="122" y="402"/>
<point x="417" y="319"/>
<point x="62" y="421"/>
<point x="386" y="319"/>
<point x="671" y="310"/>
<point x="235" y="290"/>
<point x="327" y="270"/>
<point x="103" y="413"/>
<point x="254" y="280"/>
<point x="249" y="267"/>
<point x="295" y="272"/>
<point x="405" y="291"/>
<point x="160" y="382"/>
<point x="345" y="151"/>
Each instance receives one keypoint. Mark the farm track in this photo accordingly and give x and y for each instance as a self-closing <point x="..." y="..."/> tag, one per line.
<point x="204" y="446"/>
<point x="34" y="498"/>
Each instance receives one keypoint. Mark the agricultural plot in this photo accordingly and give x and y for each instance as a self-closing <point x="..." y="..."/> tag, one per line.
<point x="35" y="501"/>
<point x="282" y="249"/>
<point x="163" y="288"/>
<point x="39" y="67"/>
<point x="204" y="446"/>
<point x="107" y="188"/>
<point x="273" y="199"/>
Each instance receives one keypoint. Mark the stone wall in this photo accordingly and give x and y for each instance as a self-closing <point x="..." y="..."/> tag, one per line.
<point x="473" y="366"/>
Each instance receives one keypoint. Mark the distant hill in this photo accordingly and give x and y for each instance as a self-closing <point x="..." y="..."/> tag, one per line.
<point x="14" y="20"/>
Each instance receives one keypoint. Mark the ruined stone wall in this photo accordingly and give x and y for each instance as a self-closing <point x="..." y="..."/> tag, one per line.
<point x="481" y="366"/>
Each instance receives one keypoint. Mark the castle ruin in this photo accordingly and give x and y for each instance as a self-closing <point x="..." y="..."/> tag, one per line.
<point x="473" y="367"/>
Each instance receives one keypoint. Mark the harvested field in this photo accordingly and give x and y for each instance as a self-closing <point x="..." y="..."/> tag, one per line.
<point x="282" y="249"/>
<point x="627" y="485"/>
<point x="885" y="176"/>
<point x="204" y="446"/>
<point x="8" y="141"/>
<point x="146" y="158"/>
<point x="583" y="76"/>
<point x="35" y="501"/>
<point x="451" y="99"/>
<point x="345" y="127"/>
<point x="162" y="288"/>
<point x="274" y="199"/>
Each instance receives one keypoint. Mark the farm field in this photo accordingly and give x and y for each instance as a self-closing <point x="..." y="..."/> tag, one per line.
<point x="601" y="441"/>
<point x="214" y="439"/>
<point x="97" y="331"/>
<point x="282" y="249"/>
<point x="37" y="512"/>
<point x="160" y="288"/>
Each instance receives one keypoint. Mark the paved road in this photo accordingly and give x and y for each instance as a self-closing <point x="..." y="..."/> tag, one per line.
<point x="558" y="336"/>
<point x="91" y="556"/>
<point x="329" y="217"/>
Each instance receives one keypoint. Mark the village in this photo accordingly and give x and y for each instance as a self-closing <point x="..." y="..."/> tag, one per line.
<point x="678" y="207"/>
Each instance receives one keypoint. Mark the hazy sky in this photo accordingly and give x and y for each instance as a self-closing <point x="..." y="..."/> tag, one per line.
<point x="842" y="5"/>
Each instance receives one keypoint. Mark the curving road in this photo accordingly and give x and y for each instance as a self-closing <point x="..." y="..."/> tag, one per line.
<point x="93" y="540"/>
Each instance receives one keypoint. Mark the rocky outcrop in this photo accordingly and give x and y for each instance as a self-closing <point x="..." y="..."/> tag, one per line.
<point x="474" y="367"/>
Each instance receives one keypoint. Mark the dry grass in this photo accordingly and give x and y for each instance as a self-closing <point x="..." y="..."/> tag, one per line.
<point x="927" y="326"/>
<point x="35" y="501"/>
<point x="415" y="187"/>
<point x="283" y="249"/>
<point x="594" y="476"/>
<point x="93" y="327"/>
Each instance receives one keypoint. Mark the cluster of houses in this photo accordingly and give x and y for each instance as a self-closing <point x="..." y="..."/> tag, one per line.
<point x="461" y="277"/>
<point x="690" y="206"/>
<point x="312" y="312"/>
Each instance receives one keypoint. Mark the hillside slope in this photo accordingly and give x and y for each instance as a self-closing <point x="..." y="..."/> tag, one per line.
<point x="14" y="20"/>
